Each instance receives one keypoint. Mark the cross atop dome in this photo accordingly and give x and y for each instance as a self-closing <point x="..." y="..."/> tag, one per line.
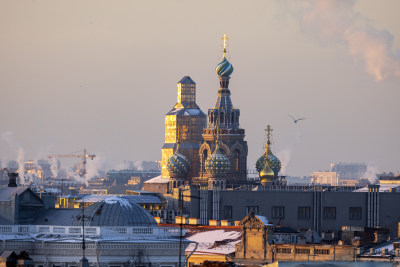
<point x="225" y="43"/>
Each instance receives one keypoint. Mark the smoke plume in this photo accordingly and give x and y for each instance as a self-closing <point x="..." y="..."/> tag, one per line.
<point x="284" y="156"/>
<point x="335" y="21"/>
<point x="371" y="173"/>
<point x="93" y="167"/>
<point x="9" y="138"/>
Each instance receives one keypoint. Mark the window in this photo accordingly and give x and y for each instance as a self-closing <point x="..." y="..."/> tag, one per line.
<point x="329" y="213"/>
<point x="321" y="251"/>
<point x="227" y="212"/>
<point x="303" y="213"/>
<point x="278" y="212"/>
<point x="302" y="251"/>
<point x="284" y="250"/>
<point x="237" y="155"/>
<point x="254" y="209"/>
<point x="355" y="213"/>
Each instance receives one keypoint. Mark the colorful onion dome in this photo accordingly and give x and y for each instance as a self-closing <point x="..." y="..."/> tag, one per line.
<point x="273" y="161"/>
<point x="217" y="163"/>
<point x="178" y="164"/>
<point x="224" y="68"/>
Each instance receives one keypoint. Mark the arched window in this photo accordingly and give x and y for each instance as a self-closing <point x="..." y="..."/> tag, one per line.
<point x="237" y="157"/>
<point x="205" y="156"/>
<point x="211" y="117"/>
<point x="221" y="117"/>
<point x="233" y="117"/>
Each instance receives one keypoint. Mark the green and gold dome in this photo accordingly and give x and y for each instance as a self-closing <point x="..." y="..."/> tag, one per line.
<point x="178" y="165"/>
<point x="273" y="161"/>
<point x="266" y="174"/>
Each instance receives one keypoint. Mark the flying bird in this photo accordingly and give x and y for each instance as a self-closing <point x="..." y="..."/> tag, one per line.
<point x="296" y="120"/>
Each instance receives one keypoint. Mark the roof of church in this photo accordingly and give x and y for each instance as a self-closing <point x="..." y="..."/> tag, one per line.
<point x="187" y="80"/>
<point x="186" y="112"/>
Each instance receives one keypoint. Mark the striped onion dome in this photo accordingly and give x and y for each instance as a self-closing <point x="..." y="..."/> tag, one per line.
<point x="224" y="68"/>
<point x="178" y="164"/>
<point x="217" y="163"/>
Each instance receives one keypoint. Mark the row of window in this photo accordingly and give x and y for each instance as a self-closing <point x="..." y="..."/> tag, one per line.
<point x="303" y="251"/>
<point x="303" y="213"/>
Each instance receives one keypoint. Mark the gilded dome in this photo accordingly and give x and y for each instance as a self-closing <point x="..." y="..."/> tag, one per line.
<point x="217" y="163"/>
<point x="224" y="68"/>
<point x="178" y="164"/>
<point x="266" y="174"/>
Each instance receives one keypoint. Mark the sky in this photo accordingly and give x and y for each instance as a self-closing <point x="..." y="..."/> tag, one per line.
<point x="101" y="75"/>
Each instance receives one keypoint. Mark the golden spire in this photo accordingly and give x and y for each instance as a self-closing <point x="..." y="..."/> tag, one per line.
<point x="225" y="43"/>
<point x="217" y="138"/>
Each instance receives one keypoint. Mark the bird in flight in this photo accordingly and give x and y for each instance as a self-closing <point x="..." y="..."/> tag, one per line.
<point x="296" y="120"/>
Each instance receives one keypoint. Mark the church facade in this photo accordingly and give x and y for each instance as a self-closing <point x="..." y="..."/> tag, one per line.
<point x="192" y="137"/>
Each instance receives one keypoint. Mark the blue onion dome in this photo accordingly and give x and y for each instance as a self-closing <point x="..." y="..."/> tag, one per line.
<point x="273" y="161"/>
<point x="178" y="165"/>
<point x="217" y="163"/>
<point x="224" y="68"/>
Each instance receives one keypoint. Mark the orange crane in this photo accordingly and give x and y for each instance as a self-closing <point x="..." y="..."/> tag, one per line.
<point x="83" y="156"/>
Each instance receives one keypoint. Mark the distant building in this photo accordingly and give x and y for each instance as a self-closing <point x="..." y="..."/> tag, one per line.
<point x="116" y="232"/>
<point x="349" y="171"/>
<point x="325" y="178"/>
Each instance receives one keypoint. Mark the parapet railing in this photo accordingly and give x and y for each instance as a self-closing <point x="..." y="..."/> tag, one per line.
<point x="90" y="230"/>
<point x="302" y="188"/>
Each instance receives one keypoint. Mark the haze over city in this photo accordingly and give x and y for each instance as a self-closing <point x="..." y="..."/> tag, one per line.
<point x="101" y="76"/>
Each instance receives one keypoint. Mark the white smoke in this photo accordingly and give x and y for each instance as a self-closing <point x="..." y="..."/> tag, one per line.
<point x="125" y="165"/>
<point x="335" y="21"/>
<point x="54" y="167"/>
<point x="9" y="138"/>
<point x="93" y="167"/>
<point x="284" y="156"/>
<point x="371" y="173"/>
<point x="138" y="165"/>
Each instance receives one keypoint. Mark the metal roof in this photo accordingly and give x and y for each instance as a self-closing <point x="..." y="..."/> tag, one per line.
<point x="187" y="80"/>
<point x="7" y="192"/>
<point x="116" y="211"/>
<point x="55" y="216"/>
<point x="186" y="112"/>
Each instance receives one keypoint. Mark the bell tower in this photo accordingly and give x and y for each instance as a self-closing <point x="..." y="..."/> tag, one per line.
<point x="224" y="118"/>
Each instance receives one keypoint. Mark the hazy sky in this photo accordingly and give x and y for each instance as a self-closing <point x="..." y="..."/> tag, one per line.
<point x="101" y="75"/>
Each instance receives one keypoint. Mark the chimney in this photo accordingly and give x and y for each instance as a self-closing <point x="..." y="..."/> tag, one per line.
<point x="12" y="177"/>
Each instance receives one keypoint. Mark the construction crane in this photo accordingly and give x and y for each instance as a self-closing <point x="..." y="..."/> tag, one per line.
<point x="83" y="156"/>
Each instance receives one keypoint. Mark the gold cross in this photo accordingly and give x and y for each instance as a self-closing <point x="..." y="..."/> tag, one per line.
<point x="225" y="42"/>
<point x="269" y="131"/>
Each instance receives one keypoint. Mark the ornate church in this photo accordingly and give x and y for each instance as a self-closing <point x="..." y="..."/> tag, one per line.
<point x="201" y="149"/>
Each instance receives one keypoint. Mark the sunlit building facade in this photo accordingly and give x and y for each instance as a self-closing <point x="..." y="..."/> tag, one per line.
<point x="185" y="121"/>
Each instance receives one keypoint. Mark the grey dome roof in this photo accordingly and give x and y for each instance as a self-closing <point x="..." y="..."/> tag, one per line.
<point x="116" y="211"/>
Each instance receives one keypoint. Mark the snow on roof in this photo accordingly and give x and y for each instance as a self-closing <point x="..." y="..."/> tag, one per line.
<point x="213" y="241"/>
<point x="157" y="180"/>
<point x="123" y="202"/>
<point x="263" y="219"/>
<point x="382" y="188"/>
